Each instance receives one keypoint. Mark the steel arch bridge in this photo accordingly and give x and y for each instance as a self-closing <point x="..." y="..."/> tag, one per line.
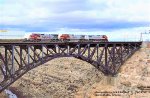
<point x="18" y="58"/>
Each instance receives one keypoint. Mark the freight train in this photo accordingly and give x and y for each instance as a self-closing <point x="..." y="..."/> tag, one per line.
<point x="35" y="37"/>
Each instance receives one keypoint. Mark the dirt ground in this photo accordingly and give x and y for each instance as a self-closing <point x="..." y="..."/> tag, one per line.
<point x="73" y="78"/>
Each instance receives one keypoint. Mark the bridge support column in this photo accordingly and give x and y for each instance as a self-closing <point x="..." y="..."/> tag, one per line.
<point x="28" y="53"/>
<point x="106" y="57"/>
<point x="20" y="56"/>
<point x="68" y="50"/>
<point x="13" y="67"/>
<point x="6" y="61"/>
<point x="78" y="50"/>
<point x="109" y="80"/>
<point x="121" y="55"/>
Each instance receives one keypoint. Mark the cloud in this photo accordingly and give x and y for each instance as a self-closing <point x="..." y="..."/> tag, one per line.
<point x="83" y="15"/>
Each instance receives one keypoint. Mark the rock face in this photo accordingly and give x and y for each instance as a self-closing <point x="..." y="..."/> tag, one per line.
<point x="134" y="74"/>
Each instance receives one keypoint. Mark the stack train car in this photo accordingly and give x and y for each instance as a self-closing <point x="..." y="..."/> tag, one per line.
<point x="35" y="37"/>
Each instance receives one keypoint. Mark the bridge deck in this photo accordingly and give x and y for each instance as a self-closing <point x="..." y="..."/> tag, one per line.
<point x="66" y="43"/>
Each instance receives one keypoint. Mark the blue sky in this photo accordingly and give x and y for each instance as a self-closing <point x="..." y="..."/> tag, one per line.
<point x="116" y="18"/>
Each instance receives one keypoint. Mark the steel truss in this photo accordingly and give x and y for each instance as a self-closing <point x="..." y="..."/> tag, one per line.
<point x="18" y="58"/>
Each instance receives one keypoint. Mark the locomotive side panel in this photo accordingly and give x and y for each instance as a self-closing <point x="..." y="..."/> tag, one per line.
<point x="77" y="37"/>
<point x="96" y="37"/>
<point x="50" y="37"/>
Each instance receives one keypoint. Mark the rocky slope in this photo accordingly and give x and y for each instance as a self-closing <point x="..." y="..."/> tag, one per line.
<point x="134" y="75"/>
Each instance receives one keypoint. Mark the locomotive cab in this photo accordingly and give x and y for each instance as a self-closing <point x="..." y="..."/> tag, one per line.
<point x="105" y="38"/>
<point x="64" y="37"/>
<point x="35" y="37"/>
<point x="26" y="37"/>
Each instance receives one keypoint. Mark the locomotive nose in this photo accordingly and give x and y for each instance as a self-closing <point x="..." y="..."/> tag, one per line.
<point x="61" y="37"/>
<point x="104" y="36"/>
<point x="64" y="36"/>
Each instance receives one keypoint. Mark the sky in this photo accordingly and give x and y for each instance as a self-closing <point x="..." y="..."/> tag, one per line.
<point x="118" y="19"/>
